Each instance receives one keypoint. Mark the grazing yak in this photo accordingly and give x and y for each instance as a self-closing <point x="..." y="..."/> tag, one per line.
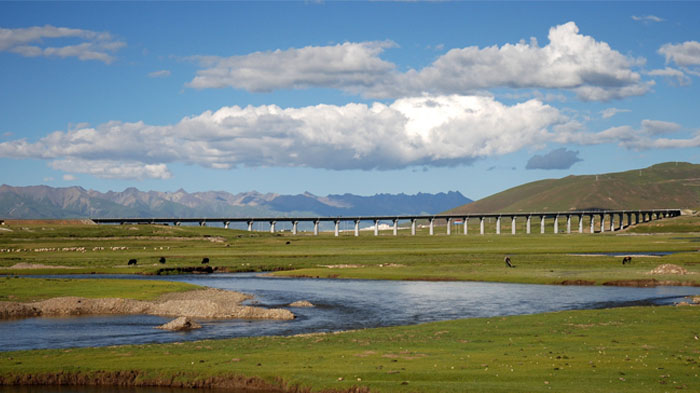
<point x="162" y="260"/>
<point x="507" y="261"/>
<point x="627" y="259"/>
<point x="132" y="261"/>
<point x="205" y="260"/>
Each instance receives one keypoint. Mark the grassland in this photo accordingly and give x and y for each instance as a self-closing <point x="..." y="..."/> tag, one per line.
<point x="548" y="258"/>
<point x="621" y="350"/>
<point x="18" y="289"/>
<point x="624" y="350"/>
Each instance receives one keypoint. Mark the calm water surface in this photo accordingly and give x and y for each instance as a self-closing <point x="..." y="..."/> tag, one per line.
<point x="340" y="305"/>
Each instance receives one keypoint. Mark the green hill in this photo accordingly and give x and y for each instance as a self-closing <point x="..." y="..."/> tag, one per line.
<point x="667" y="185"/>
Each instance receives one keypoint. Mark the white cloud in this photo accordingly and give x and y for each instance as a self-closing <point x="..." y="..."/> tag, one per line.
<point x="677" y="75"/>
<point x="69" y="177"/>
<point x="647" y="18"/>
<point x="685" y="54"/>
<point x="348" y="66"/>
<point x="159" y="74"/>
<point x="570" y="61"/>
<point x="29" y="42"/>
<point x="647" y="136"/>
<point x="108" y="169"/>
<point x="610" y="112"/>
<point x="428" y="130"/>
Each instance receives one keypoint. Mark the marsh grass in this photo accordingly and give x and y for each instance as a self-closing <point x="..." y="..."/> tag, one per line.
<point x="34" y="289"/>
<point x="637" y="349"/>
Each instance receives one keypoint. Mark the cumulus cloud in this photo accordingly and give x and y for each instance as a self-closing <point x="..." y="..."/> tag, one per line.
<point x="610" y="112"/>
<point x="685" y="54"/>
<point x="69" y="177"/>
<point x="108" y="169"/>
<point x="677" y="76"/>
<point x="348" y="66"/>
<point x="159" y="74"/>
<point x="570" y="61"/>
<point x="648" y="136"/>
<point x="416" y="131"/>
<point x="30" y="42"/>
<point x="647" y="18"/>
<point x="556" y="159"/>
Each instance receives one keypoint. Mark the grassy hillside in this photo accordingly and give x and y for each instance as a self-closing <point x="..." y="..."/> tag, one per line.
<point x="667" y="185"/>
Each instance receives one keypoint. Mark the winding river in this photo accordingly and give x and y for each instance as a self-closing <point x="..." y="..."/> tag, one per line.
<point x="340" y="305"/>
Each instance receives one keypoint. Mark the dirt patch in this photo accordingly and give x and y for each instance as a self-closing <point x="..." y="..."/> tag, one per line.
<point x="25" y="266"/>
<point x="342" y="266"/>
<point x="668" y="268"/>
<point x="648" y="283"/>
<point x="136" y="378"/>
<point x="204" y="303"/>
<point x="577" y="282"/>
<point x="187" y="270"/>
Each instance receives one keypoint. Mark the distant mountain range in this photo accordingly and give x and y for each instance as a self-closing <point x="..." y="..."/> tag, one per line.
<point x="666" y="185"/>
<point x="44" y="202"/>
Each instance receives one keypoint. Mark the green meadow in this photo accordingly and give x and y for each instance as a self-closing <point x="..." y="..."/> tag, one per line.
<point x="639" y="349"/>
<point x="539" y="258"/>
<point x="636" y="349"/>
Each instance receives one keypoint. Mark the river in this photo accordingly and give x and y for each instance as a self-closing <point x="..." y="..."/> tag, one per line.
<point x="339" y="305"/>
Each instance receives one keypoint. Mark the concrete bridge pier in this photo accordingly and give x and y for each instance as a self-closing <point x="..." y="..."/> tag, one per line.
<point x="629" y="219"/>
<point x="336" y="232"/>
<point x="498" y="225"/>
<point x="432" y="226"/>
<point x="376" y="227"/>
<point x="512" y="225"/>
<point x="202" y="223"/>
<point x="396" y="226"/>
<point x="481" y="225"/>
<point x="413" y="227"/>
<point x="592" y="218"/>
<point x="580" y="223"/>
<point x="272" y="226"/>
<point x="449" y="226"/>
<point x="250" y="226"/>
<point x="316" y="228"/>
<point x="542" y="218"/>
<point x="568" y="223"/>
<point x="226" y="224"/>
<point x="465" y="222"/>
<point x="602" y="223"/>
<point x="357" y="228"/>
<point x="177" y="223"/>
<point x="295" y="227"/>
<point x="556" y="223"/>
<point x="612" y="223"/>
<point x="528" y="224"/>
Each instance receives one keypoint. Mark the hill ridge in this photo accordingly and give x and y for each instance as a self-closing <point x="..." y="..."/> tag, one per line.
<point x="664" y="185"/>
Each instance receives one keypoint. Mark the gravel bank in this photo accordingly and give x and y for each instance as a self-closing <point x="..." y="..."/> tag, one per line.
<point x="203" y="303"/>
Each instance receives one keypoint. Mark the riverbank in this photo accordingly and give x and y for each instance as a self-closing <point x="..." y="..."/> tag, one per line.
<point x="612" y="350"/>
<point x="135" y="297"/>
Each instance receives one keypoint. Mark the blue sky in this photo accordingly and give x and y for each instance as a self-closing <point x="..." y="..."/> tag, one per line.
<point x="339" y="97"/>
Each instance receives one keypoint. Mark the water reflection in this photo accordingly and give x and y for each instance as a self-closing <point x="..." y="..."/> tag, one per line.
<point x="340" y="305"/>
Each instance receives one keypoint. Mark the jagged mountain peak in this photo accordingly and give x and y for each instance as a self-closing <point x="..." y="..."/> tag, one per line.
<point x="76" y="202"/>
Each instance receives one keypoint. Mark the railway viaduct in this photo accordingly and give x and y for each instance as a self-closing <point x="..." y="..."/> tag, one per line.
<point x="608" y="220"/>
